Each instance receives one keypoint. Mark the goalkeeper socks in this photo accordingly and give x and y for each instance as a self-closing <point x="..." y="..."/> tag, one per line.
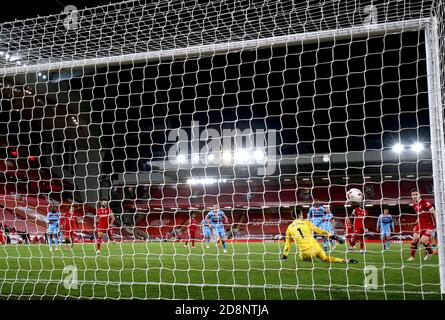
<point x="223" y="244"/>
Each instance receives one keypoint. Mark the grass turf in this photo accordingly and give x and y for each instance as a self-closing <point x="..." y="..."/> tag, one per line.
<point x="247" y="271"/>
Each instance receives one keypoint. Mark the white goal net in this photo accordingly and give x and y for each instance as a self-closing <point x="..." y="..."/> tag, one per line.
<point x="206" y="129"/>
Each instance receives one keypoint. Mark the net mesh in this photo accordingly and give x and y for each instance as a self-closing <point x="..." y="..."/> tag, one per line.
<point x="262" y="107"/>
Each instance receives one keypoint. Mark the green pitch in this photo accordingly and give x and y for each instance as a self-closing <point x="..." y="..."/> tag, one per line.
<point x="247" y="271"/>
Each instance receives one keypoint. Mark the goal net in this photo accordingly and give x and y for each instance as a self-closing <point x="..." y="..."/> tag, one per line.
<point x="206" y="129"/>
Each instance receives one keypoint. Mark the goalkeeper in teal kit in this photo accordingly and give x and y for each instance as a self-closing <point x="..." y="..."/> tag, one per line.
<point x="217" y="218"/>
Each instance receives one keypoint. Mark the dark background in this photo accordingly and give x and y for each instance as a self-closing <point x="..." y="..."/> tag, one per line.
<point x="18" y="10"/>
<point x="322" y="98"/>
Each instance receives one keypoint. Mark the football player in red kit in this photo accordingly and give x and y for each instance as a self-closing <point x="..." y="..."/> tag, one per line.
<point x="192" y="228"/>
<point x="349" y="233"/>
<point x="359" y="227"/>
<point x="104" y="222"/>
<point x="69" y="225"/>
<point x="425" y="225"/>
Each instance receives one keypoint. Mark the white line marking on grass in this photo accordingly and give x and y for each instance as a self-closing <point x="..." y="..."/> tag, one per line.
<point x="341" y="288"/>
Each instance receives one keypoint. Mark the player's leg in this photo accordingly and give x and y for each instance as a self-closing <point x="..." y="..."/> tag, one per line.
<point x="213" y="236"/>
<point x="349" y="241"/>
<point x="320" y="254"/>
<point x="50" y="239"/>
<point x="187" y="239"/>
<point x="100" y="234"/>
<point x="110" y="235"/>
<point x="66" y="238"/>
<point x="383" y="239"/>
<point x="222" y="237"/>
<point x="425" y="239"/>
<point x="434" y="242"/>
<point x="192" y="237"/>
<point x="56" y="239"/>
<point x="333" y="242"/>
<point x="413" y="249"/>
<point x="361" y="238"/>
<point x="71" y="237"/>
<point x="323" y="226"/>
<point x="388" y="242"/>
<point x="207" y="236"/>
<point x="305" y="256"/>
<point x="325" y="244"/>
<point x="354" y="238"/>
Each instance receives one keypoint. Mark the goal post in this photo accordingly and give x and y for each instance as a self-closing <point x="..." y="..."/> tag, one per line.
<point x="436" y="109"/>
<point x="204" y="50"/>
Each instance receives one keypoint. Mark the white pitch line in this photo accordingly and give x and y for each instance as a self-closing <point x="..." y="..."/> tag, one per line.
<point x="234" y="286"/>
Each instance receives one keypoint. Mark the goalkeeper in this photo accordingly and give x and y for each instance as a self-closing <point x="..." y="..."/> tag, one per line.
<point x="301" y="231"/>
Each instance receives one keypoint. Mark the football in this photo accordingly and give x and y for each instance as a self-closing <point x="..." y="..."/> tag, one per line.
<point x="354" y="195"/>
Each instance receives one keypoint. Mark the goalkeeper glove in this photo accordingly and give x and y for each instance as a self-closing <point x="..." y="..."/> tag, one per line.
<point x="351" y="261"/>
<point x="337" y="238"/>
<point x="284" y="257"/>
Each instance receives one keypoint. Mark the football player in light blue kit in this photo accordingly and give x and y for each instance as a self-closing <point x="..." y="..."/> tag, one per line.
<point x="316" y="214"/>
<point x="206" y="232"/>
<point x="53" y="220"/>
<point x="385" y="223"/>
<point x="216" y="218"/>
<point x="328" y="221"/>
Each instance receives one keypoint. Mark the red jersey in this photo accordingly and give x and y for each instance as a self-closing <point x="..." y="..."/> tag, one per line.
<point x="425" y="219"/>
<point x="348" y="225"/>
<point x="69" y="222"/>
<point x="103" y="215"/>
<point x="193" y="226"/>
<point x="360" y="215"/>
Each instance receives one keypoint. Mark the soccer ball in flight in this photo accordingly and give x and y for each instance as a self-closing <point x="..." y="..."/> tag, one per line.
<point x="354" y="195"/>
